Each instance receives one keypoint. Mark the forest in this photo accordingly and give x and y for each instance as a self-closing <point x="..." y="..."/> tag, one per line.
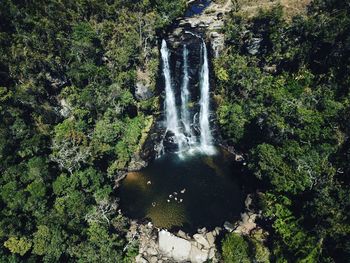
<point x="287" y="105"/>
<point x="70" y="123"/>
<point x="58" y="163"/>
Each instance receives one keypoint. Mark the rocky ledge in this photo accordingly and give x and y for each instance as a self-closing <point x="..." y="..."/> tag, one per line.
<point x="160" y="246"/>
<point x="210" y="21"/>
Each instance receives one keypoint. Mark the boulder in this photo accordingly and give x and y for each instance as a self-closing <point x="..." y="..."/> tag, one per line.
<point x="244" y="217"/>
<point x="140" y="259"/>
<point x="182" y="234"/>
<point x="174" y="247"/>
<point x="217" y="230"/>
<point x="197" y="255"/>
<point x="136" y="163"/>
<point x="151" y="251"/>
<point x="202" y="230"/>
<point x="248" y="201"/>
<point x="211" y="239"/>
<point x="228" y="226"/>
<point x="143" y="91"/>
<point x="211" y="254"/>
<point x="201" y="240"/>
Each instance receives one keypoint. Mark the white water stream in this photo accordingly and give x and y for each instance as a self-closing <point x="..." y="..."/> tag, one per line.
<point x="184" y="136"/>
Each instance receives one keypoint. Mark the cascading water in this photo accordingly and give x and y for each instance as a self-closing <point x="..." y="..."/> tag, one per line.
<point x="172" y="121"/>
<point x="206" y="139"/>
<point x="184" y="136"/>
<point x="185" y="95"/>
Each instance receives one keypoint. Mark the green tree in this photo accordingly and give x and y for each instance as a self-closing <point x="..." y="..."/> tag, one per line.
<point x="235" y="249"/>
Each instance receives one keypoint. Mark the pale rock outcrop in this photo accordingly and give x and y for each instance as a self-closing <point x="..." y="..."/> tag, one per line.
<point x="197" y="255"/>
<point x="201" y="240"/>
<point x="174" y="247"/>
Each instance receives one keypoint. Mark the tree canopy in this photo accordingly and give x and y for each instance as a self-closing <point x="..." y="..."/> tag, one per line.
<point x="283" y="99"/>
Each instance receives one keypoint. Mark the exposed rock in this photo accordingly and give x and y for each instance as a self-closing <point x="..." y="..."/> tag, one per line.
<point x="202" y="230"/>
<point x="217" y="230"/>
<point x="248" y="202"/>
<point x="65" y="108"/>
<point x="211" y="239"/>
<point x="228" y="226"/>
<point x="152" y="251"/>
<point x="174" y="247"/>
<point x="197" y="255"/>
<point x="142" y="91"/>
<point x="136" y="163"/>
<point x="120" y="176"/>
<point x="211" y="254"/>
<point x="247" y="223"/>
<point x="140" y="259"/>
<point x="163" y="246"/>
<point x="211" y="21"/>
<point x="182" y="234"/>
<point x="143" y="85"/>
<point x="239" y="158"/>
<point x="201" y="240"/>
<point x="270" y="69"/>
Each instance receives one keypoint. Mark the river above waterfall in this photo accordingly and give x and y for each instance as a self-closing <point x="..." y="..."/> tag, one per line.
<point x="197" y="8"/>
<point x="186" y="193"/>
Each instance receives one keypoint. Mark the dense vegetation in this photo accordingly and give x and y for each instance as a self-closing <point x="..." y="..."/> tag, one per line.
<point x="69" y="122"/>
<point x="284" y="100"/>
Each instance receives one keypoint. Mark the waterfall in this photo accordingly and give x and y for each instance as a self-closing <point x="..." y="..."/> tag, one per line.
<point x="185" y="95"/>
<point x="172" y="121"/>
<point x="206" y="136"/>
<point x="184" y="136"/>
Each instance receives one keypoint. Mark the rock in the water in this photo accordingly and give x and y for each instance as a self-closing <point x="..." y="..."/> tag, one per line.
<point x="182" y="234"/>
<point x="201" y="240"/>
<point x="217" y="230"/>
<point x="202" y="230"/>
<point x="228" y="226"/>
<point x="248" y="201"/>
<point x="174" y="247"/>
<point x="198" y="256"/>
<point x="244" y="217"/>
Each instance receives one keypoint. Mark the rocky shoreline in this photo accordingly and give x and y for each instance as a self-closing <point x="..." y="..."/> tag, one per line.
<point x="161" y="245"/>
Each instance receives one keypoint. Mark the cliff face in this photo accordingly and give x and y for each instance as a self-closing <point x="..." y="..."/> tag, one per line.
<point x="188" y="30"/>
<point x="208" y="23"/>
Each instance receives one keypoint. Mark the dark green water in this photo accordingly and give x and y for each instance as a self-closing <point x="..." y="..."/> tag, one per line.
<point x="196" y="191"/>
